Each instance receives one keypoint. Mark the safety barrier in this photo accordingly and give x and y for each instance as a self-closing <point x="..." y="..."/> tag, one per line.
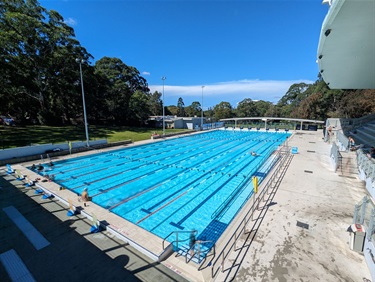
<point x="366" y="167"/>
<point x="364" y="214"/>
<point x="366" y="164"/>
<point x="343" y="141"/>
<point x="336" y="156"/>
<point x="284" y="156"/>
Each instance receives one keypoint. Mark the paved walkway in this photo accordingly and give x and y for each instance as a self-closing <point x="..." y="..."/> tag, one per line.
<point x="302" y="234"/>
<point x="74" y="254"/>
<point x="299" y="235"/>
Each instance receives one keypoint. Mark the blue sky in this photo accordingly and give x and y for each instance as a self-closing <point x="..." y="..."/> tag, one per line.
<point x="237" y="49"/>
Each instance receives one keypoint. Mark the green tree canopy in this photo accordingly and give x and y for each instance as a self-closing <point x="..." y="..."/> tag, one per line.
<point x="181" y="108"/>
<point x="122" y="82"/>
<point x="37" y="62"/>
<point x="292" y="98"/>
<point x="156" y="104"/>
<point x="262" y="108"/>
<point x="246" y="108"/>
<point x="194" y="109"/>
<point x="139" y="110"/>
<point x="223" y="110"/>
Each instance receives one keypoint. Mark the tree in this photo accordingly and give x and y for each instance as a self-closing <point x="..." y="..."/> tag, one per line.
<point x="320" y="102"/>
<point x="37" y="51"/>
<point x="194" y="109"/>
<point x="139" y="108"/>
<point x="171" y="110"/>
<point x="309" y="107"/>
<point x="357" y="103"/>
<point x="329" y="101"/>
<point x="181" y="108"/>
<point x="292" y="98"/>
<point x="123" y="81"/>
<point x="262" y="108"/>
<point x="156" y="104"/>
<point x="273" y="111"/>
<point x="246" y="108"/>
<point x="210" y="114"/>
<point x="223" y="110"/>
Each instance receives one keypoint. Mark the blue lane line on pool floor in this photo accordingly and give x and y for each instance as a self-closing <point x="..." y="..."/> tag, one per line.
<point x="31" y="233"/>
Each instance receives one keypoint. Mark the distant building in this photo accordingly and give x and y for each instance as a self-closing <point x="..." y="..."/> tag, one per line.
<point x="177" y="122"/>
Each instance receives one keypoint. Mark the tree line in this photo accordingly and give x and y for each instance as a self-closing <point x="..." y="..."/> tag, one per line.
<point x="40" y="81"/>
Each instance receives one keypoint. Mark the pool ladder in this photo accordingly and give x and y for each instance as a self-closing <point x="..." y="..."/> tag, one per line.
<point x="198" y="244"/>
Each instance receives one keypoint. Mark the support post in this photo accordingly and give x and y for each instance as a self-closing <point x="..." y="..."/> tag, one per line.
<point x="222" y="263"/>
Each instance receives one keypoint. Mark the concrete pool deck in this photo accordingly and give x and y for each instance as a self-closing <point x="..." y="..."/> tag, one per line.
<point x="274" y="249"/>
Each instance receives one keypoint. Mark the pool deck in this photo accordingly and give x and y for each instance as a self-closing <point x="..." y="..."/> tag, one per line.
<point x="299" y="234"/>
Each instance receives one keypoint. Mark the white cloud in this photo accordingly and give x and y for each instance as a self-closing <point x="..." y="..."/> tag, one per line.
<point x="146" y="73"/>
<point x="70" y="21"/>
<point x="230" y="91"/>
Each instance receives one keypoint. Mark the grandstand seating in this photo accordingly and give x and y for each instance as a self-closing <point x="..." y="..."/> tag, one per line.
<point x="364" y="134"/>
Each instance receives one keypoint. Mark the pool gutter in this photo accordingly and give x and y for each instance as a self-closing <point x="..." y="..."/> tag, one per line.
<point x="164" y="254"/>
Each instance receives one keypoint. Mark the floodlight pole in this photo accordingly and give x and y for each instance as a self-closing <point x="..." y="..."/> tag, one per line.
<point x="163" y="78"/>
<point x="202" y="109"/>
<point x="84" y="103"/>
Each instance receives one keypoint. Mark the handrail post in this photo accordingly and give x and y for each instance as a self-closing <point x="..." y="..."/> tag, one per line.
<point x="222" y="263"/>
<point x="253" y="208"/>
<point x="268" y="188"/>
<point x="235" y="240"/>
<point x="244" y="225"/>
<point x="199" y="251"/>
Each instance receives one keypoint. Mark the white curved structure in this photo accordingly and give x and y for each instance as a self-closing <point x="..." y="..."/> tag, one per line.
<point x="346" y="51"/>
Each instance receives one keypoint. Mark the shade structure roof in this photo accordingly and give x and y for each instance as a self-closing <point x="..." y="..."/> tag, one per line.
<point x="346" y="51"/>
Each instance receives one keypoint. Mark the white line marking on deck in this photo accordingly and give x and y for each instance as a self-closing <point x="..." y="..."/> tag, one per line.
<point x="31" y="233"/>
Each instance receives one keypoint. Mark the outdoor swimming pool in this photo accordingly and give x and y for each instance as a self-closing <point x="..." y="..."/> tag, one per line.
<point x="197" y="182"/>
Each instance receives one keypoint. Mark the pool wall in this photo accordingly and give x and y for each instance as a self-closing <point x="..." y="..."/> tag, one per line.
<point x="119" y="231"/>
<point x="142" y="240"/>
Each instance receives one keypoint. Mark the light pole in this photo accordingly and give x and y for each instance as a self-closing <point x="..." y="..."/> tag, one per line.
<point x="202" y="110"/>
<point x="80" y="62"/>
<point x="163" y="78"/>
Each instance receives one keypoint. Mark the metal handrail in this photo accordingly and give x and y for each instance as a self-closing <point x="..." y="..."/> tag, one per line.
<point x="177" y="232"/>
<point x="249" y="215"/>
<point x="282" y="150"/>
<point x="339" y="162"/>
<point x="199" y="243"/>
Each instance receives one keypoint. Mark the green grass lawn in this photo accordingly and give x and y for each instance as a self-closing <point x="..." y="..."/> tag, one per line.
<point x="16" y="136"/>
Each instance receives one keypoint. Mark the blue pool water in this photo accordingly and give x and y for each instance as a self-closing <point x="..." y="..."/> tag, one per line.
<point x="197" y="182"/>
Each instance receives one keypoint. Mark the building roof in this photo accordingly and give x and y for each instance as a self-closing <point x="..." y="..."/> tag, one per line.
<point x="273" y="118"/>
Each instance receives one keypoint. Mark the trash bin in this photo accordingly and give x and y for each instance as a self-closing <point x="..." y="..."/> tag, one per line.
<point x="357" y="237"/>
